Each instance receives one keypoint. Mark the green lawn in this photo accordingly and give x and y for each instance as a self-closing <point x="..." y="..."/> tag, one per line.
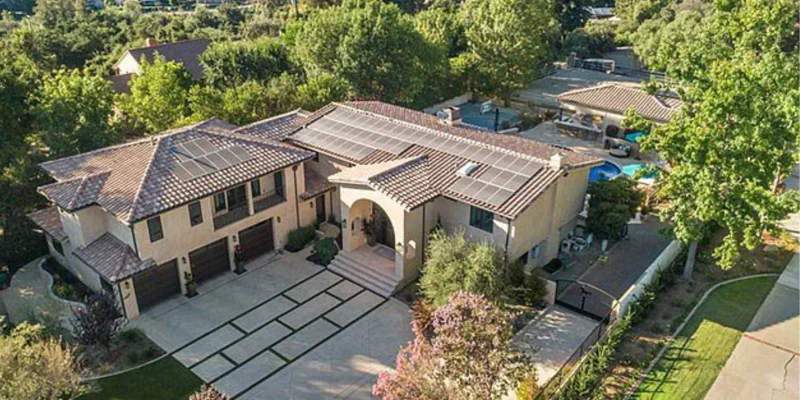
<point x="689" y="367"/>
<point x="166" y="379"/>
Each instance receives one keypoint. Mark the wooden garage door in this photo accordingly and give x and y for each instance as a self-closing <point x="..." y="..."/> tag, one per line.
<point x="156" y="284"/>
<point x="257" y="240"/>
<point x="210" y="261"/>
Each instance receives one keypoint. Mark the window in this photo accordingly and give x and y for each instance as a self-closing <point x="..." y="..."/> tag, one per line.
<point x="237" y="197"/>
<point x="481" y="219"/>
<point x="219" y="202"/>
<point x="279" y="183"/>
<point x="195" y="213"/>
<point x="57" y="246"/>
<point x="255" y="187"/>
<point x="154" y="227"/>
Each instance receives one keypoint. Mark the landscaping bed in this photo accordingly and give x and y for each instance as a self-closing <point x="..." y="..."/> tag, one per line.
<point x="65" y="285"/>
<point x="165" y="379"/>
<point x="131" y="348"/>
<point x="690" y="365"/>
<point x="646" y="338"/>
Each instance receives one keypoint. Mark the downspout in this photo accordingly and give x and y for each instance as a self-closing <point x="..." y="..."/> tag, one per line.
<point x="508" y="240"/>
<point x="296" y="195"/>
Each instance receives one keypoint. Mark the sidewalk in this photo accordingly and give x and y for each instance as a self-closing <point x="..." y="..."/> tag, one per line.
<point x="29" y="297"/>
<point x="766" y="362"/>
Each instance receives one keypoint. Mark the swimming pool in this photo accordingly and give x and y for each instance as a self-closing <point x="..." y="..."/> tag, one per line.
<point x="471" y="114"/>
<point x="608" y="170"/>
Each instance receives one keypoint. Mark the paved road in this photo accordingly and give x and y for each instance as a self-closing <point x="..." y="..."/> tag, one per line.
<point x="766" y="362"/>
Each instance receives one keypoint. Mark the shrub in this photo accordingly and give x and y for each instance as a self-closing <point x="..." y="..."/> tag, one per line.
<point x="299" y="238"/>
<point x="99" y="323"/>
<point x="535" y="288"/>
<point x="527" y="289"/>
<point x="132" y="357"/>
<point x="527" y="389"/>
<point x="151" y="353"/>
<point x="131" y="335"/>
<point x="455" y="264"/>
<point x="3" y="279"/>
<point x="207" y="393"/>
<point x="324" y="251"/>
<point x="612" y="204"/>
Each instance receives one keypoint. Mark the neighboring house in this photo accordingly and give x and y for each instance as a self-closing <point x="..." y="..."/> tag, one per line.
<point x="611" y="101"/>
<point x="134" y="219"/>
<point x="185" y="52"/>
<point x="601" y="13"/>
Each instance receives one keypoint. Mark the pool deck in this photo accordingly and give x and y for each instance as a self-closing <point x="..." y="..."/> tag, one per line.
<point x="548" y="133"/>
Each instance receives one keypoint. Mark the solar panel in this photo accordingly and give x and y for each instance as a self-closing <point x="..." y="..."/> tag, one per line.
<point x="500" y="197"/>
<point x="486" y="193"/>
<point x="193" y="150"/>
<point x="205" y="145"/>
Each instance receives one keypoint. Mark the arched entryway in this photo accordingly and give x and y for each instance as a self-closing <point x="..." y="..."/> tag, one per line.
<point x="381" y="227"/>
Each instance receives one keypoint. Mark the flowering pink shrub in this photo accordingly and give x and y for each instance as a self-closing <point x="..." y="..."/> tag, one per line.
<point x="460" y="351"/>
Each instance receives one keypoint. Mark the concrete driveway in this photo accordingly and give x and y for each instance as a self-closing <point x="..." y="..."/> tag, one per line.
<point x="286" y="329"/>
<point x="766" y="362"/>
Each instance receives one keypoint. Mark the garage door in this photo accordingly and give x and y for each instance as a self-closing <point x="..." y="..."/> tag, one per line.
<point x="257" y="240"/>
<point x="210" y="261"/>
<point x="156" y="284"/>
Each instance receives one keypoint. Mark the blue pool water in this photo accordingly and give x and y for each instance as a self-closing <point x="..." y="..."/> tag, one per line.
<point x="630" y="170"/>
<point x="608" y="170"/>
<point x="471" y="114"/>
<point x="635" y="136"/>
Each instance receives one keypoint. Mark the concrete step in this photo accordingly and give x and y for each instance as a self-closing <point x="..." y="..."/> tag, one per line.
<point x="369" y="278"/>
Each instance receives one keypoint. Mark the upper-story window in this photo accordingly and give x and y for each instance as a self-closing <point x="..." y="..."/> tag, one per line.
<point x="154" y="228"/>
<point x="255" y="187"/>
<point x="195" y="213"/>
<point x="481" y="219"/>
<point x="219" y="202"/>
<point x="278" y="176"/>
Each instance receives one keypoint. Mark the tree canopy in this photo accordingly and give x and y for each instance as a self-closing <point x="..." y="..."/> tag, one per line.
<point x="159" y="97"/>
<point x="736" y="135"/>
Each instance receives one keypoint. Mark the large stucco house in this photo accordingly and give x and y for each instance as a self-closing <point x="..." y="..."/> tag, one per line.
<point x="140" y="218"/>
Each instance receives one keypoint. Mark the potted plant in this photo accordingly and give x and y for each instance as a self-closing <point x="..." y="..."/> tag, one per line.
<point x="369" y="232"/>
<point x="191" y="285"/>
<point x="238" y="260"/>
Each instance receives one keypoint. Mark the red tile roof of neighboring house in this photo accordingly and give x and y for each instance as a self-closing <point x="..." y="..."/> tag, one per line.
<point x="111" y="258"/>
<point x="186" y="52"/>
<point x="50" y="221"/>
<point x="135" y="180"/>
<point x="619" y="99"/>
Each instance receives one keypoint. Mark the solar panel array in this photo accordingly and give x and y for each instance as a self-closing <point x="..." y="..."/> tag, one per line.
<point x="332" y="143"/>
<point x="199" y="157"/>
<point x="356" y="135"/>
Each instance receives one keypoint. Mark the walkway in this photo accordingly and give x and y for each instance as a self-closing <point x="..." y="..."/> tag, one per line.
<point x="285" y="329"/>
<point x="766" y="362"/>
<point x="29" y="297"/>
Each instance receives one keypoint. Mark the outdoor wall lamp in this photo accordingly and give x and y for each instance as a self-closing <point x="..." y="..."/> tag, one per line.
<point x="183" y="260"/>
<point x="127" y="285"/>
<point x="234" y="238"/>
<point x="278" y="219"/>
<point x="311" y="203"/>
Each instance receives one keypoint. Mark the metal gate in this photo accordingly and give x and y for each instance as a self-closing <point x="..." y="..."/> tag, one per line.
<point x="585" y="299"/>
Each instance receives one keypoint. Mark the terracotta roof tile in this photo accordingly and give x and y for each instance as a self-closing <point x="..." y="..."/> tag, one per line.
<point x="316" y="184"/>
<point x="186" y="52"/>
<point x="619" y="99"/>
<point x="50" y="221"/>
<point x="111" y="258"/>
<point x="275" y="128"/>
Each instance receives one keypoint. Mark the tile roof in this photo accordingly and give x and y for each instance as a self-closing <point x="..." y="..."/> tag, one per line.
<point x="50" y="221"/>
<point x="405" y="180"/>
<point x="275" y="128"/>
<point x="186" y="52"/>
<point x="135" y="180"/>
<point x="112" y="258"/>
<point x="619" y="99"/>
<point x="316" y="184"/>
<point x="120" y="83"/>
<point x="410" y="183"/>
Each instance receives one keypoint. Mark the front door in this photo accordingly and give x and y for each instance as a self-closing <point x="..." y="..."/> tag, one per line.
<point x="320" y="209"/>
<point x="384" y="233"/>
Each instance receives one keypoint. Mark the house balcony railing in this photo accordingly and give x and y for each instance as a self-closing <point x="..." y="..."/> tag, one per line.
<point x="233" y="215"/>
<point x="267" y="202"/>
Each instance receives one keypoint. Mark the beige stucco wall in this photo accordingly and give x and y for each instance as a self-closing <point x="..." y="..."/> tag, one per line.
<point x="454" y="215"/>
<point x="81" y="271"/>
<point x="325" y="166"/>
<point x="180" y="238"/>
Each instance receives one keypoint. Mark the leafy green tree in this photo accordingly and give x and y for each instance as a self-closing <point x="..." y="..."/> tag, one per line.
<point x="159" y="97"/>
<point x="611" y="205"/>
<point x="632" y="120"/>
<point x="374" y="47"/>
<point x="243" y="104"/>
<point x="72" y="112"/>
<point x="230" y="64"/>
<point x="455" y="263"/>
<point x="442" y="27"/>
<point x="511" y="40"/>
<point x="321" y="90"/>
<point x="571" y="14"/>
<point x="33" y="366"/>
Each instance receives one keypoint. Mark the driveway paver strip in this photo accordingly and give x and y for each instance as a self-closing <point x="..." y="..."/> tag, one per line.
<point x="213" y="368"/>
<point x="354" y="308"/>
<point x="248" y="374"/>
<point x="295" y="345"/>
<point x="313" y="286"/>
<point x="208" y="345"/>
<point x="264" y="313"/>
<point x="257" y="342"/>
<point x="309" y="311"/>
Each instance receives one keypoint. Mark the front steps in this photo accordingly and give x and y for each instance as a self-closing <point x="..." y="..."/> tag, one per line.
<point x="349" y="267"/>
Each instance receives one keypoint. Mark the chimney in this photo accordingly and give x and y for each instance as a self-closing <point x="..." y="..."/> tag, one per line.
<point x="151" y="42"/>
<point x="557" y="161"/>
<point x="452" y="116"/>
